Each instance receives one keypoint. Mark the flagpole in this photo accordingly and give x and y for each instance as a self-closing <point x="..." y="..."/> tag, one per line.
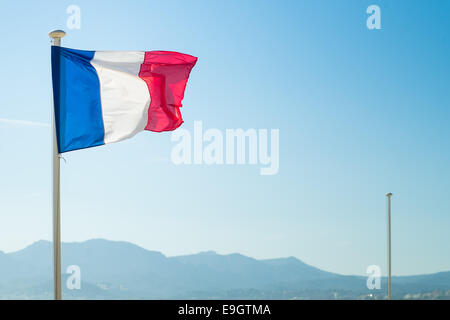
<point x="56" y="36"/>
<point x="389" y="195"/>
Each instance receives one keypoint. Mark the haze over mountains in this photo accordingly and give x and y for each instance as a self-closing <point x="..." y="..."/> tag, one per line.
<point x="121" y="270"/>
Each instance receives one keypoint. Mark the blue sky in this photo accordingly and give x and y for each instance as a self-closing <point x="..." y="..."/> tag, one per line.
<point x="360" y="112"/>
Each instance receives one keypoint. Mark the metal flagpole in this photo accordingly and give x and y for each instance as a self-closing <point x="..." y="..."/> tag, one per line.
<point x="56" y="36"/>
<point x="389" y="195"/>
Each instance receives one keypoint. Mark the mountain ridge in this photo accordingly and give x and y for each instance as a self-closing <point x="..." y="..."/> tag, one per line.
<point x="123" y="270"/>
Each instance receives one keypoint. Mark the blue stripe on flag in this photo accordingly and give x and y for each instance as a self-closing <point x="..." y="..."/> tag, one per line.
<point x="76" y="95"/>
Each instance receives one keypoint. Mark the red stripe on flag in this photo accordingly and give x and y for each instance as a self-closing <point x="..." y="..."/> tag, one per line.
<point x="166" y="74"/>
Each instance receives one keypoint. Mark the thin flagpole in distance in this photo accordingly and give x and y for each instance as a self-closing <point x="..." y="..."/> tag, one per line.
<point x="389" y="195"/>
<point x="56" y="36"/>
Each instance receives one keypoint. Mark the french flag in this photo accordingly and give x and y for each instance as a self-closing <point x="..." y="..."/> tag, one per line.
<point x="103" y="97"/>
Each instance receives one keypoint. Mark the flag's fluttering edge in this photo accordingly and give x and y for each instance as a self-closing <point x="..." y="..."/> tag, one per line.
<point x="102" y="97"/>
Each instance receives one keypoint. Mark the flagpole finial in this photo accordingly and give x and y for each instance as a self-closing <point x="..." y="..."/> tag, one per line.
<point x="57" y="34"/>
<point x="389" y="194"/>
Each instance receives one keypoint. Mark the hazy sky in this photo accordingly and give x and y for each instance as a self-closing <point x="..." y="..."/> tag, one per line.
<point x="360" y="112"/>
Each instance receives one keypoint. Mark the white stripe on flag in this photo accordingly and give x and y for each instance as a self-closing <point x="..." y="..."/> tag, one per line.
<point x="125" y="97"/>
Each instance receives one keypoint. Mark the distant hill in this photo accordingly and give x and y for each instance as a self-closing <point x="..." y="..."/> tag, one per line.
<point x="121" y="270"/>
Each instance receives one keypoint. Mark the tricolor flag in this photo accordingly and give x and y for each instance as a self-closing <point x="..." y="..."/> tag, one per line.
<point x="107" y="96"/>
